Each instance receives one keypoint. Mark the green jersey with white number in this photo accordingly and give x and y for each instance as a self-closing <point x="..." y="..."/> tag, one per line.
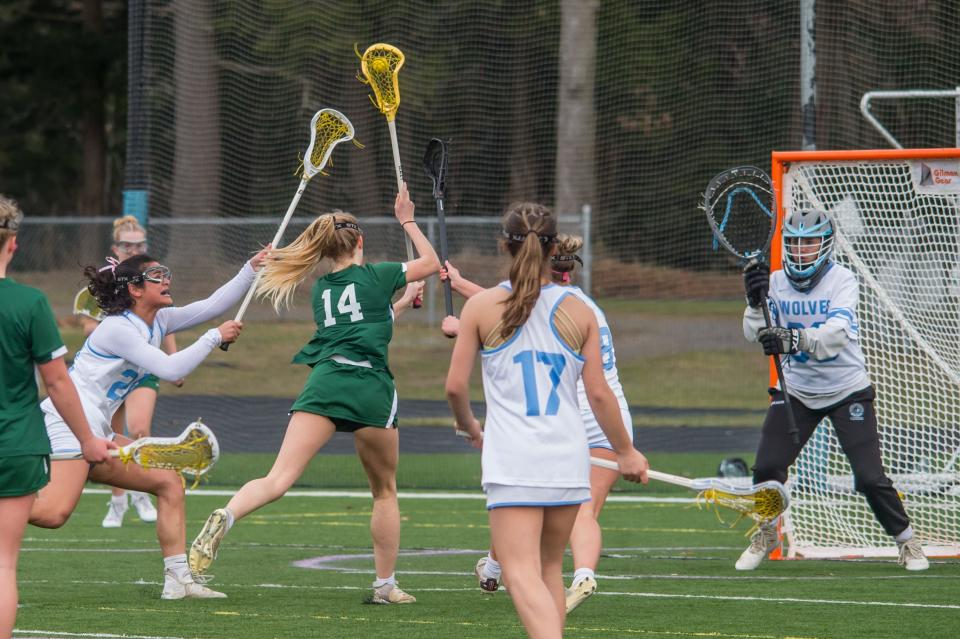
<point x="28" y="336"/>
<point x="354" y="314"/>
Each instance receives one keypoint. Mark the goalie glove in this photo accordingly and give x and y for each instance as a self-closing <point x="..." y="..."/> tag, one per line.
<point x="756" y="282"/>
<point x="781" y="341"/>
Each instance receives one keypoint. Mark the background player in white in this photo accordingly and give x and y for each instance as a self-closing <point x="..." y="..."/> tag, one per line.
<point x="535" y="341"/>
<point x="586" y="539"/>
<point x="813" y="303"/>
<point x="28" y="338"/>
<point x="135" y="296"/>
<point x="136" y="414"/>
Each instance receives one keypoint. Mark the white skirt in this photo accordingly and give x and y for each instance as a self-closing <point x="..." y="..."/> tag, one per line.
<point x="502" y="496"/>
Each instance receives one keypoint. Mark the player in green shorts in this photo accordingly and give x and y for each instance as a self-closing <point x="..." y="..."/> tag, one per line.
<point x="28" y="337"/>
<point x="350" y="387"/>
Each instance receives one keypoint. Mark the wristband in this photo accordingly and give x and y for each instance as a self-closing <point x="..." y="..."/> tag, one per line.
<point x="407" y="222"/>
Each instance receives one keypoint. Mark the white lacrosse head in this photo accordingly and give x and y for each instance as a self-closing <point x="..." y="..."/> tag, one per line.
<point x="198" y="428"/>
<point x="328" y="128"/>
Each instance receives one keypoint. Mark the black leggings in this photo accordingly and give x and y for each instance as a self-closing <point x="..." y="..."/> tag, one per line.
<point x="855" y="424"/>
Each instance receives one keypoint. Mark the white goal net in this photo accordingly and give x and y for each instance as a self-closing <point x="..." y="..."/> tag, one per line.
<point x="897" y="215"/>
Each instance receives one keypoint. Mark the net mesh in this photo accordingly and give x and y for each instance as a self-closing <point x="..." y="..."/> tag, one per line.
<point x="903" y="243"/>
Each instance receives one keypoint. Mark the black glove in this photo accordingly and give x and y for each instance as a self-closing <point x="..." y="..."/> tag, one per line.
<point x="780" y="341"/>
<point x="756" y="281"/>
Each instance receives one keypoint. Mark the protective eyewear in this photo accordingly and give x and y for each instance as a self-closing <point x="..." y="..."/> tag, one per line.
<point x="135" y="248"/>
<point x="156" y="274"/>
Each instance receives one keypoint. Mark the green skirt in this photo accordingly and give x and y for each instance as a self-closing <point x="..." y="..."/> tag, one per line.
<point x="23" y="474"/>
<point x="351" y="396"/>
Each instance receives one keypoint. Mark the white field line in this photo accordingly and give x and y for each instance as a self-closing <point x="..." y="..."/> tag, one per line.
<point x="361" y="494"/>
<point x="644" y="595"/>
<point x="104" y="635"/>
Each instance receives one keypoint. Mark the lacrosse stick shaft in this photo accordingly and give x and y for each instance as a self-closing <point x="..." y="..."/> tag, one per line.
<point x="396" y="165"/>
<point x="652" y="474"/>
<point x="791" y="420"/>
<point x="273" y="244"/>
<point x="447" y="291"/>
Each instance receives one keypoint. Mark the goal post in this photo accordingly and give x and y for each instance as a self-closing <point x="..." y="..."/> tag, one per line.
<point x="897" y="217"/>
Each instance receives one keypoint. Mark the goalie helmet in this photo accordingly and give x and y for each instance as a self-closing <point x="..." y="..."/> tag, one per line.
<point x="803" y="263"/>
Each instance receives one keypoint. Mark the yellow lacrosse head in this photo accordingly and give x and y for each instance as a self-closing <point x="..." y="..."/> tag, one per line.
<point x="764" y="505"/>
<point x="194" y="452"/>
<point x="380" y="65"/>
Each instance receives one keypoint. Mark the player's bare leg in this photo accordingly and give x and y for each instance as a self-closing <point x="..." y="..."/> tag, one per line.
<point x="530" y="543"/>
<point x="140" y="405"/>
<point x="14" y="512"/>
<point x="379" y="452"/>
<point x="56" y="501"/>
<point x="586" y="539"/>
<point x="306" y="434"/>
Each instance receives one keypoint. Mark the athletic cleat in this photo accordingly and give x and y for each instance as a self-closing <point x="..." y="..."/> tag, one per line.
<point x="911" y="555"/>
<point x="174" y="588"/>
<point x="488" y="585"/>
<point x="761" y="543"/>
<point x="115" y="513"/>
<point x="145" y="509"/>
<point x="203" y="550"/>
<point x="391" y="594"/>
<point x="579" y="591"/>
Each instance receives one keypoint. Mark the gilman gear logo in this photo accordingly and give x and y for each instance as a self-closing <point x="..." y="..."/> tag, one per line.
<point x="937" y="176"/>
<point x="856" y="412"/>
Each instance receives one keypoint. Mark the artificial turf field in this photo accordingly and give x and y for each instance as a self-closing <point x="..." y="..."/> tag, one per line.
<point x="667" y="571"/>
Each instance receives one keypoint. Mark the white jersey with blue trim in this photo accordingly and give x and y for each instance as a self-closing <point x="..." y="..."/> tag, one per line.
<point x="595" y="436"/>
<point x="533" y="433"/>
<point x="123" y="349"/>
<point x="832" y="302"/>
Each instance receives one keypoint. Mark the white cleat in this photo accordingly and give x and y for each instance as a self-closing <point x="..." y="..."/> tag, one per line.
<point x="203" y="550"/>
<point x="145" y="509"/>
<point x="488" y="585"/>
<point x="174" y="588"/>
<point x="763" y="541"/>
<point x="391" y="594"/>
<point x="578" y="592"/>
<point x="911" y="555"/>
<point x="115" y="513"/>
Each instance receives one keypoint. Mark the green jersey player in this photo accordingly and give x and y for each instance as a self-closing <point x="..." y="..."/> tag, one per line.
<point x="350" y="387"/>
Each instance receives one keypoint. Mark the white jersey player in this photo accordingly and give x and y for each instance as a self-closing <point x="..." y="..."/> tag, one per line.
<point x="135" y="297"/>
<point x="535" y="340"/>
<point x="813" y="305"/>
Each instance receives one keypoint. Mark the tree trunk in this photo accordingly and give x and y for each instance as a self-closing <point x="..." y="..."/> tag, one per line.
<point x="197" y="158"/>
<point x="92" y="201"/>
<point x="576" y="119"/>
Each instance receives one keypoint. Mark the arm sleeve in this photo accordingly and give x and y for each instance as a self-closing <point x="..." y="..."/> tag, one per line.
<point x="126" y="342"/>
<point x="45" y="341"/>
<point x="826" y="341"/>
<point x="752" y="323"/>
<point x="831" y="337"/>
<point x="181" y="318"/>
<point x="391" y="275"/>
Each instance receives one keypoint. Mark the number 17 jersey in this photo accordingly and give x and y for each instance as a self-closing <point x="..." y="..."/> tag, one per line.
<point x="534" y="434"/>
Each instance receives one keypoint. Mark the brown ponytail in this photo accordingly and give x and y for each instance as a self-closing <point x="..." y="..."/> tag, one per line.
<point x="530" y="231"/>
<point x="332" y="235"/>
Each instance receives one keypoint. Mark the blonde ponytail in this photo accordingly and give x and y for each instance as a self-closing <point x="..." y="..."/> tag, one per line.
<point x="289" y="266"/>
<point x="126" y="223"/>
<point x="530" y="232"/>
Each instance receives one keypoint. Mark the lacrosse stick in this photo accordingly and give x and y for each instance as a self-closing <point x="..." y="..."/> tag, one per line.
<point x="380" y="65"/>
<point x="762" y="502"/>
<point x="435" y="165"/>
<point x="740" y="207"/>
<point x="194" y="452"/>
<point x="328" y="128"/>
